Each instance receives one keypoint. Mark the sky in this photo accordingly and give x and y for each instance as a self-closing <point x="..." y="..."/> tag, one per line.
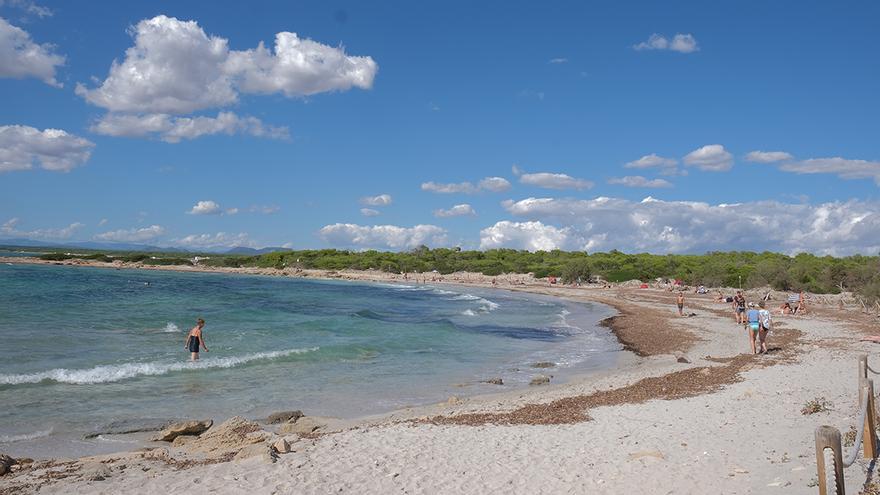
<point x="663" y="127"/>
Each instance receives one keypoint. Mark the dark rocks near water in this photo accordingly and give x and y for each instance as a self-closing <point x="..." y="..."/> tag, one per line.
<point x="6" y="463"/>
<point x="194" y="427"/>
<point x="682" y="359"/>
<point x="127" y="426"/>
<point x="544" y="364"/>
<point x="284" y="417"/>
<point x="494" y="381"/>
<point x="541" y="380"/>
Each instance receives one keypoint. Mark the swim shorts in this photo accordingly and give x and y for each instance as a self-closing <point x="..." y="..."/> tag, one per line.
<point x="754" y="326"/>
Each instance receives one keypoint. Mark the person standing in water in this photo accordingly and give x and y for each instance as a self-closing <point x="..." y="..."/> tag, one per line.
<point x="195" y="338"/>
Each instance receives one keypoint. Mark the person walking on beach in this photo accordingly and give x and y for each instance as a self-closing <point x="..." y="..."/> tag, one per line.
<point x="739" y="307"/>
<point x="195" y="338"/>
<point x="680" y="302"/>
<point x="766" y="325"/>
<point x="753" y="326"/>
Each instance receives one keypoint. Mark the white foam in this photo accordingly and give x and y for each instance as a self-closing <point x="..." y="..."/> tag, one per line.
<point x="117" y="372"/>
<point x="171" y="328"/>
<point x="25" y="436"/>
<point x="468" y="312"/>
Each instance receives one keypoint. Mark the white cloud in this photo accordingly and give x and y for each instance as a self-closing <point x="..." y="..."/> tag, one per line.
<point x="132" y="235"/>
<point x="213" y="241"/>
<point x="264" y="209"/>
<point x="382" y="236"/>
<point x="29" y="7"/>
<point x="20" y="57"/>
<point x="842" y="167"/>
<point x="491" y="184"/>
<point x="712" y="157"/>
<point x="8" y="229"/>
<point x="667" y="166"/>
<point x="231" y="211"/>
<point x="639" y="181"/>
<point x="456" y="211"/>
<point x="494" y="184"/>
<point x="380" y="200"/>
<point x="369" y="212"/>
<point x="554" y="181"/>
<point x="683" y="43"/>
<point x="174" y="129"/>
<point x="206" y="208"/>
<point x="560" y="60"/>
<point x="174" y="67"/>
<point x="533" y="236"/>
<point x="602" y="224"/>
<point x="22" y="147"/>
<point x="102" y="223"/>
<point x="768" y="156"/>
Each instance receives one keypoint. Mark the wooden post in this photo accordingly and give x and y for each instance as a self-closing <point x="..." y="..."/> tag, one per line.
<point x="869" y="438"/>
<point x="863" y="374"/>
<point x="828" y="437"/>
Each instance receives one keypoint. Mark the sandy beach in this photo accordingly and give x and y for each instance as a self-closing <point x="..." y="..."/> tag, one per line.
<point x="687" y="411"/>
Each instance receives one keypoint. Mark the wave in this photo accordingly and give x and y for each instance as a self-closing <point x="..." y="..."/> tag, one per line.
<point x="25" y="436"/>
<point x="117" y="372"/>
<point x="468" y="312"/>
<point x="171" y="328"/>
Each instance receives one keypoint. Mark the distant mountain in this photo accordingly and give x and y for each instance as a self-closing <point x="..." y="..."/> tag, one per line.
<point x="253" y="252"/>
<point x="100" y="246"/>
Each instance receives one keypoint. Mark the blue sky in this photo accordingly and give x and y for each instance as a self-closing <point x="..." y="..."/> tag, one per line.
<point x="285" y="145"/>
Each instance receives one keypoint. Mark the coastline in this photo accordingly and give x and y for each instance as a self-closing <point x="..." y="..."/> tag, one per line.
<point x="688" y="370"/>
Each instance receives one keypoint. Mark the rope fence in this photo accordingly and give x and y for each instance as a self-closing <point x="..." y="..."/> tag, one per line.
<point x="828" y="439"/>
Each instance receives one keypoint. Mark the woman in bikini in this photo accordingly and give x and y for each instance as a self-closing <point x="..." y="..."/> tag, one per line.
<point x="195" y="338"/>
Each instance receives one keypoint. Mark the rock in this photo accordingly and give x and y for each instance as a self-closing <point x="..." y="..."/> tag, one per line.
<point x="544" y="364"/>
<point x="284" y="417"/>
<point x="281" y="446"/>
<point x="257" y="450"/>
<point x="183" y="428"/>
<point x="494" y="381"/>
<point x="540" y="380"/>
<point x="96" y="472"/>
<point x="229" y="436"/>
<point x="303" y="426"/>
<point x="6" y="463"/>
<point x="137" y="425"/>
<point x="682" y="359"/>
<point x="183" y="440"/>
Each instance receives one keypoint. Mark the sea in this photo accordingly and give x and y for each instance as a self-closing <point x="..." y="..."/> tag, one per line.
<point x="83" y="349"/>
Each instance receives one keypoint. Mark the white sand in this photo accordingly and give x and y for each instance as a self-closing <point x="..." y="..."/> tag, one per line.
<point x="749" y="437"/>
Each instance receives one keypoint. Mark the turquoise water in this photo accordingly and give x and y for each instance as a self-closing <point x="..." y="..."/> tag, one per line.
<point x="83" y="347"/>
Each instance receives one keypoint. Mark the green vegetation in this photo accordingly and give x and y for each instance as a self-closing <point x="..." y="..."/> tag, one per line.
<point x="817" y="274"/>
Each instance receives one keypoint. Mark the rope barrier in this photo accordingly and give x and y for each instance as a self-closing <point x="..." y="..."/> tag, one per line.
<point x="854" y="453"/>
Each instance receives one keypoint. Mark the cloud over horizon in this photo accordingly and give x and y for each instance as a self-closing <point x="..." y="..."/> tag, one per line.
<point x="355" y="236"/>
<point x="23" y="147"/>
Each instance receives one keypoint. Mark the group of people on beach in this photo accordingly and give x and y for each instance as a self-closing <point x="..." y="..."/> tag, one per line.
<point x="755" y="318"/>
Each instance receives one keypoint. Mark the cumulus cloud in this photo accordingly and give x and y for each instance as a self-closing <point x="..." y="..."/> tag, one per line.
<point x="533" y="236"/>
<point x="173" y="129"/>
<point x="20" y="57"/>
<point x="666" y="166"/>
<point x="132" y="235"/>
<point x="206" y="208"/>
<point x="22" y="147"/>
<point x="380" y="200"/>
<point x="554" y="181"/>
<point x="601" y="224"/>
<point x="491" y="184"/>
<point x="369" y="212"/>
<point x="382" y="236"/>
<point x="175" y="68"/>
<point x="682" y="43"/>
<point x="456" y="211"/>
<point x="639" y="181"/>
<point x="768" y="156"/>
<point x="712" y="157"/>
<point x="9" y="229"/>
<point x="213" y="241"/>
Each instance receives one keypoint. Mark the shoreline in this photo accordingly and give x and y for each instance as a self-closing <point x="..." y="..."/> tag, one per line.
<point x="687" y="380"/>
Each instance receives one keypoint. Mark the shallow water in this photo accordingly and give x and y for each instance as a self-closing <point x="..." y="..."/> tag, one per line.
<point x="83" y="347"/>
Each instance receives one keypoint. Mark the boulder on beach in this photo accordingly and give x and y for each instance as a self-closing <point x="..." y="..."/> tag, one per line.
<point x="282" y="446"/>
<point x="6" y="463"/>
<point x="194" y="427"/>
<point x="311" y="424"/>
<point x="260" y="450"/>
<point x="540" y="380"/>
<point x="284" y="417"/>
<point x="183" y="440"/>
<point x="232" y="434"/>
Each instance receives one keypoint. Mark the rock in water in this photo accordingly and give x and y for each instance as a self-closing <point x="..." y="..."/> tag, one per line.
<point x="540" y="380"/>
<point x="183" y="428"/>
<point x="284" y="417"/>
<point x="495" y="381"/>
<point x="543" y="364"/>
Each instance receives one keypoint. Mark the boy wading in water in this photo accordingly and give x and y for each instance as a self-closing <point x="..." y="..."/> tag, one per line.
<point x="195" y="338"/>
